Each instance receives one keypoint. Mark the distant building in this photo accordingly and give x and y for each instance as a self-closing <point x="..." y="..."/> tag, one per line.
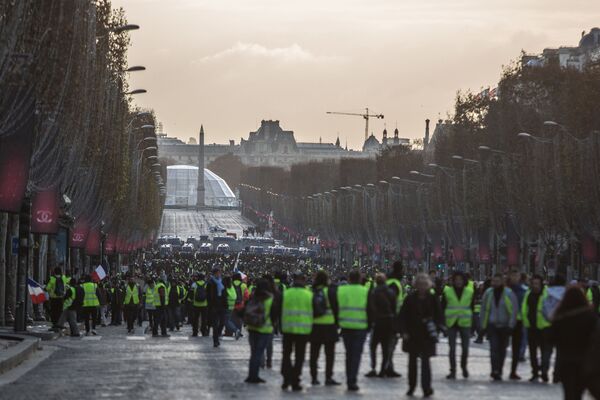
<point x="585" y="55"/>
<point x="270" y="145"/>
<point x="182" y="184"/>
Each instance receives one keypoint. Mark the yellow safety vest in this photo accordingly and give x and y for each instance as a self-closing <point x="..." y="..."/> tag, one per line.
<point x="90" y="299"/>
<point x="267" y="327"/>
<point x="327" y="318"/>
<point x="352" y="302"/>
<point x="458" y="309"/>
<point x="297" y="311"/>
<point x="541" y="321"/>
<point x="132" y="294"/>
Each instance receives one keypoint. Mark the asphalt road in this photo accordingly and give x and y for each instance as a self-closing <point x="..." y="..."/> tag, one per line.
<point x="114" y="365"/>
<point x="184" y="223"/>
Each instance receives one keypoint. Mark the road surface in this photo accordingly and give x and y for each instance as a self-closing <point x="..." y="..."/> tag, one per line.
<point x="114" y="365"/>
<point x="184" y="223"/>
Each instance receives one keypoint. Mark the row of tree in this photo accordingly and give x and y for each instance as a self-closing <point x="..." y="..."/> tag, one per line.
<point x="65" y="99"/>
<point x="520" y="170"/>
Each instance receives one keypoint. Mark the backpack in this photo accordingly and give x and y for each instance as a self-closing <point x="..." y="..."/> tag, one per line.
<point x="254" y="314"/>
<point x="59" y="290"/>
<point x="200" y="294"/>
<point x="319" y="303"/>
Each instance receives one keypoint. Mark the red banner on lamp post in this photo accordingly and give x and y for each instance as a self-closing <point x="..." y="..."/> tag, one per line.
<point x="44" y="212"/>
<point x="92" y="245"/>
<point x="79" y="235"/>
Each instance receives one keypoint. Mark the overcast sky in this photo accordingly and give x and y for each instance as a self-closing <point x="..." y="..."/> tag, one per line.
<point x="228" y="64"/>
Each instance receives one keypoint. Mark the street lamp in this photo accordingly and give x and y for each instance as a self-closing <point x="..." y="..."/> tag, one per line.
<point x="135" y="68"/>
<point x="124" y="28"/>
<point x="525" y="135"/>
<point x="421" y="174"/>
<point x="467" y="160"/>
<point x="137" y="91"/>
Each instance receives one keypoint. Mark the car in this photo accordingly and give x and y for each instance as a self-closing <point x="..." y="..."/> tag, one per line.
<point x="217" y="229"/>
<point x="223" y="248"/>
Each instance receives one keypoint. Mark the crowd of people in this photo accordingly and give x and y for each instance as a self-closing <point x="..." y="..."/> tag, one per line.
<point x="307" y="303"/>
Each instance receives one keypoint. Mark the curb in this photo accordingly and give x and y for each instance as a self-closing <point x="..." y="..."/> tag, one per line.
<point x="15" y="355"/>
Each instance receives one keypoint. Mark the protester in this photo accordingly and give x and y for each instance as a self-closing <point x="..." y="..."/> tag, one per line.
<point x="420" y="319"/>
<point x="382" y="307"/>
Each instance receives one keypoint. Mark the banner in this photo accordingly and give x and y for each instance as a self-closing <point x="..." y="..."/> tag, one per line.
<point x="79" y="234"/>
<point x="15" y="152"/>
<point x="92" y="244"/>
<point x="589" y="249"/>
<point x="44" y="212"/>
<point x="484" y="245"/>
<point x="513" y="243"/>
<point x="110" y="245"/>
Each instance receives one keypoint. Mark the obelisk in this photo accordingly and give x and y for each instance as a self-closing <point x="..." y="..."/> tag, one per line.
<point x="200" y="195"/>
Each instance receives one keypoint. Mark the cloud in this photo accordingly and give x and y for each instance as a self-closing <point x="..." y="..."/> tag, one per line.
<point x="291" y="54"/>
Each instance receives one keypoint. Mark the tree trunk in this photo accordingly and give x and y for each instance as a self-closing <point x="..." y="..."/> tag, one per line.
<point x="3" y="233"/>
<point x="39" y="273"/>
<point x="11" y="273"/>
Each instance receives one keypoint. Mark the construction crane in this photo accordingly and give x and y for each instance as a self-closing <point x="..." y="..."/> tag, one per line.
<point x="366" y="116"/>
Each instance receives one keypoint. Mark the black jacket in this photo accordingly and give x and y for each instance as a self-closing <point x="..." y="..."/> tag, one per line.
<point x="415" y="315"/>
<point x="214" y="301"/>
<point x="382" y="306"/>
<point x="571" y="333"/>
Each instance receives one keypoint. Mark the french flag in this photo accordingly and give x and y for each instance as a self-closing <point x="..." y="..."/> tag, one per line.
<point x="98" y="274"/>
<point x="38" y="296"/>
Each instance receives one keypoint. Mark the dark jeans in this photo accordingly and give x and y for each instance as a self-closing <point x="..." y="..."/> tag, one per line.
<point x="115" y="314"/>
<point x="354" y="341"/>
<point x="516" y="339"/>
<point x="383" y="335"/>
<point x="572" y="379"/>
<point x="174" y="316"/>
<point x="56" y="308"/>
<point x="131" y="312"/>
<point x="539" y="339"/>
<point x="297" y="344"/>
<point x="160" y="318"/>
<point x="425" y="372"/>
<point x="465" y="336"/>
<point x="218" y="318"/>
<point x="258" y="344"/>
<point x="498" y="343"/>
<point x="89" y="313"/>
<point x="200" y="317"/>
<point x="315" y="348"/>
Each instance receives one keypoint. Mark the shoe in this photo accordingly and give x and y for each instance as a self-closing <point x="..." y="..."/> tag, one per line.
<point x="155" y="335"/>
<point x="371" y="374"/>
<point x="269" y="364"/>
<point x="215" y="345"/>
<point x="257" y="380"/>
<point x="382" y="374"/>
<point x="451" y="375"/>
<point x="428" y="393"/>
<point x="411" y="392"/>
<point x="166" y="335"/>
<point x="194" y="335"/>
<point x="465" y="373"/>
<point x="285" y="385"/>
<point x="496" y="377"/>
<point x="353" y="388"/>
<point x="87" y="334"/>
<point x="534" y="378"/>
<point x="331" y="382"/>
<point x="392" y="374"/>
<point x="514" y="377"/>
<point x="479" y="340"/>
<point x="545" y="378"/>
<point x="297" y="388"/>
<point x="238" y="334"/>
<point x="94" y="332"/>
<point x="315" y="382"/>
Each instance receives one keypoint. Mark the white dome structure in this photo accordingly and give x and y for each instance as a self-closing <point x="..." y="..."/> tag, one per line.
<point x="182" y="184"/>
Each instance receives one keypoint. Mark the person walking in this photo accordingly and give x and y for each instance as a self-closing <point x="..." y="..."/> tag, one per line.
<point x="116" y="303"/>
<point x="131" y="303"/>
<point x="217" y="304"/>
<point x="458" y="304"/>
<point x="420" y="320"/>
<point x="573" y="325"/>
<point x="259" y="315"/>
<point x="353" y="303"/>
<point x="149" y="302"/>
<point x="382" y="306"/>
<point x="498" y="319"/>
<point x="57" y="288"/>
<point x="296" y="326"/>
<point x="324" y="330"/>
<point x="199" y="306"/>
<point x="101" y="317"/>
<point x="90" y="305"/>
<point x="517" y="337"/>
<point x="161" y="302"/>
<point x="73" y="300"/>
<point x="394" y="282"/>
<point x="538" y="334"/>
<point x="232" y="301"/>
<point x="173" y="314"/>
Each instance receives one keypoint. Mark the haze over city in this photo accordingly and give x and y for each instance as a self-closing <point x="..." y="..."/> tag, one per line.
<point x="229" y="64"/>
